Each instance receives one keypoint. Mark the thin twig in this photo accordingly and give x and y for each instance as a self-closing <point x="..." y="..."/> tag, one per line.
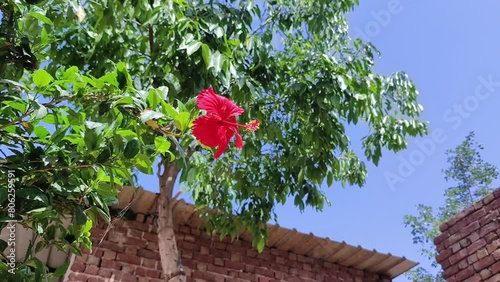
<point x="21" y="117"/>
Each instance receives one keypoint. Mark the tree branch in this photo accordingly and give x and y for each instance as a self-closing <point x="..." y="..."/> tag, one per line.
<point x="47" y="105"/>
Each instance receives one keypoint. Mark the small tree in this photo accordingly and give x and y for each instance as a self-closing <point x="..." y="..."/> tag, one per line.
<point x="472" y="177"/>
<point x="117" y="92"/>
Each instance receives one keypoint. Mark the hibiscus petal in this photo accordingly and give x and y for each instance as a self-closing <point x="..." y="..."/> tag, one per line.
<point x="216" y="104"/>
<point x="239" y="140"/>
<point x="225" y="135"/>
<point x="205" y="130"/>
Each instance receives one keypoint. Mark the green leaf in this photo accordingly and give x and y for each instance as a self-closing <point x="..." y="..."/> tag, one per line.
<point x="131" y="149"/>
<point x="90" y="139"/>
<point x="3" y="197"/>
<point x="215" y="61"/>
<point x="42" y="78"/>
<point x="161" y="144"/>
<point x="32" y="194"/>
<point x="205" y="53"/>
<point x="127" y="134"/>
<point x="193" y="47"/>
<point x="39" y="110"/>
<point x="171" y="111"/>
<point x="144" y="164"/>
<point x="80" y="217"/>
<point x="182" y="121"/>
<point x="61" y="270"/>
<point x="149" y="115"/>
<point x="41" y="17"/>
<point x="71" y="73"/>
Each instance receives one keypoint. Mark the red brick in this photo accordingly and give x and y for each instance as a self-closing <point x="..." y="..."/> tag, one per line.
<point x="134" y="233"/>
<point x="488" y="199"/>
<point x="140" y="243"/>
<point x="491" y="227"/>
<point x="492" y="236"/>
<point x="137" y="225"/>
<point x="189" y="238"/>
<point x="461" y="224"/>
<point x="249" y="268"/>
<point x="475" y="278"/>
<point x="472" y="258"/>
<point x="189" y="263"/>
<point x="186" y="254"/>
<point x="185" y="229"/>
<point x="236" y="265"/>
<point x="117" y="237"/>
<point x="444" y="255"/>
<point x="148" y="263"/>
<point x="93" y="260"/>
<point x="103" y="272"/>
<point x="450" y="271"/>
<point x="110" y="264"/>
<point x="483" y="263"/>
<point x="123" y="277"/>
<point x="470" y="228"/>
<point x="220" y="254"/>
<point x="129" y="259"/>
<point x="203" y="258"/>
<point x="221" y="245"/>
<point x="153" y="273"/>
<point x="495" y="245"/>
<point x="108" y="254"/>
<point x="492" y="216"/>
<point x="219" y="261"/>
<point x="150" y="236"/>
<point x="247" y="276"/>
<point x="201" y="267"/>
<point x="236" y="249"/>
<point x="112" y="246"/>
<point x="482" y="253"/>
<point x="474" y="236"/>
<point x="96" y="279"/>
<point x="140" y="217"/>
<point x="463" y="264"/>
<point x="494" y="278"/>
<point x="464" y="243"/>
<point x="464" y="274"/>
<point x="264" y="271"/>
<point x="129" y="269"/>
<point x="148" y="254"/>
<point x="92" y="269"/>
<point x="217" y="269"/>
<point x="141" y="271"/>
<point x="78" y="266"/>
<point x="458" y="256"/>
<point x="250" y="260"/>
<point x="189" y="246"/>
<point x="476" y="246"/>
<point x="208" y="276"/>
<point x="495" y="268"/>
<point x="279" y="275"/>
<point x="485" y="274"/>
<point x="496" y="255"/>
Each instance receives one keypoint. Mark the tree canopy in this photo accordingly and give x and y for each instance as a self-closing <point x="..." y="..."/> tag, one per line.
<point x="92" y="90"/>
<point x="471" y="177"/>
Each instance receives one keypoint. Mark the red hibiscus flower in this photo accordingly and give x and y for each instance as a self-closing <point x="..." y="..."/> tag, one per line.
<point x="218" y="125"/>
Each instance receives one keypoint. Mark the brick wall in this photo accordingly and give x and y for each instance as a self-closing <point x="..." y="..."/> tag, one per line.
<point x="469" y="246"/>
<point x="129" y="252"/>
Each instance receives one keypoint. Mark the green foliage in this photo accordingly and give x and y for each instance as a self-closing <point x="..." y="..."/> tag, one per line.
<point x="117" y="87"/>
<point x="472" y="177"/>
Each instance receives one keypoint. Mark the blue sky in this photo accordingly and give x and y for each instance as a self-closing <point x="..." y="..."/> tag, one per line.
<point x="450" y="50"/>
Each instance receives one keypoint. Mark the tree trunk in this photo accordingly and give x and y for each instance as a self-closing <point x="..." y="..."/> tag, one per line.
<point x="169" y="254"/>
